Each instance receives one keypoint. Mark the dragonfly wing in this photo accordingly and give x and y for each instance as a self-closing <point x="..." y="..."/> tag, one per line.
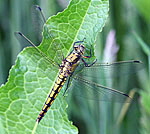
<point x="24" y="40"/>
<point x="38" y="21"/>
<point x="87" y="89"/>
<point x="109" y="70"/>
<point x="52" y="38"/>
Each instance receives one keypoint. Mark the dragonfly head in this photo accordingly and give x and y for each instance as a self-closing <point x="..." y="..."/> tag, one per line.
<point x="79" y="48"/>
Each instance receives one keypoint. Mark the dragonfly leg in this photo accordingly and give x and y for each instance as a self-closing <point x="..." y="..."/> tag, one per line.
<point x="89" y="55"/>
<point x="88" y="65"/>
<point x="78" y="42"/>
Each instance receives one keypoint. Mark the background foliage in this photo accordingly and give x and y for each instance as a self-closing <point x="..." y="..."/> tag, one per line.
<point x="132" y="27"/>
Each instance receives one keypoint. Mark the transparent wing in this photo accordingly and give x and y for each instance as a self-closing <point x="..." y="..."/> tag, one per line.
<point x="109" y="70"/>
<point x="23" y="39"/>
<point x="92" y="91"/>
<point x="52" y="39"/>
<point x="86" y="80"/>
<point x="38" y="20"/>
<point x="52" y="43"/>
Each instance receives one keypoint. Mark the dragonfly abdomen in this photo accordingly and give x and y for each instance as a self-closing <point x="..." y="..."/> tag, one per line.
<point x="52" y="96"/>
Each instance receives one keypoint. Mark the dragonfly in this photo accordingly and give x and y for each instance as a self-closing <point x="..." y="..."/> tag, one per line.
<point x="75" y="69"/>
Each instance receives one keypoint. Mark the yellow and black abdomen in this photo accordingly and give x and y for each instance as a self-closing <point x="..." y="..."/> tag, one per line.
<point x="52" y="96"/>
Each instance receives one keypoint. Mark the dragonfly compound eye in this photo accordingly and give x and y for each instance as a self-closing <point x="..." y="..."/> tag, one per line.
<point x="81" y="48"/>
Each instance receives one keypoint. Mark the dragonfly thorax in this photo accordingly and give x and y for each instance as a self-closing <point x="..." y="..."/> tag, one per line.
<point x="79" y="48"/>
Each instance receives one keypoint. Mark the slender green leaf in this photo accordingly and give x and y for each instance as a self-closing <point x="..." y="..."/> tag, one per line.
<point x="144" y="46"/>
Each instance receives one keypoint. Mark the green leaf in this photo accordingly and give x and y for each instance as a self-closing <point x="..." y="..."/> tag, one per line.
<point x="143" y="8"/>
<point x="143" y="45"/>
<point x="31" y="78"/>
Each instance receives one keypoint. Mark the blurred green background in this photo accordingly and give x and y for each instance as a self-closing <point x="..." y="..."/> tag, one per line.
<point x="126" y="36"/>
